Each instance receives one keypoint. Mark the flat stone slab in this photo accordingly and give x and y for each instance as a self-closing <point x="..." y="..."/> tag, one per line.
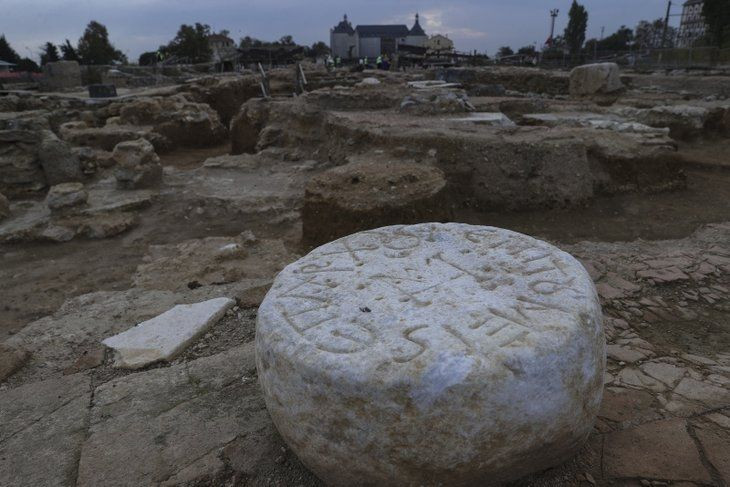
<point x="167" y="426"/>
<point x="486" y="118"/>
<point x="659" y="450"/>
<point x="166" y="335"/>
<point x="432" y="354"/>
<point x="42" y="428"/>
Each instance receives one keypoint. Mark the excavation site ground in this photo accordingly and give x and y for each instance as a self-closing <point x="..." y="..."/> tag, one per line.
<point x="115" y="210"/>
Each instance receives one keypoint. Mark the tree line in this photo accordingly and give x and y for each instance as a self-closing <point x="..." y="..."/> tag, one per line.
<point x="646" y="34"/>
<point x="93" y="47"/>
<point x="190" y="45"/>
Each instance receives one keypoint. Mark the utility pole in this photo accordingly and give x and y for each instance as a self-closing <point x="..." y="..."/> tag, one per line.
<point x="666" y="24"/>
<point x="553" y="15"/>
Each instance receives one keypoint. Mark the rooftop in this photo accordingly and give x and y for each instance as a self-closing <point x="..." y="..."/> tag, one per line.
<point x="382" y="30"/>
<point x="344" y="27"/>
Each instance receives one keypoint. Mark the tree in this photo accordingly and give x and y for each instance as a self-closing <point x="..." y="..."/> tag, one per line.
<point x="7" y="53"/>
<point x="575" y="32"/>
<point x="190" y="44"/>
<point x="95" y="48"/>
<point x="49" y="53"/>
<point x="148" y="58"/>
<point x="249" y="41"/>
<point x="27" y="64"/>
<point x="69" y="52"/>
<point x="287" y="41"/>
<point x="717" y="17"/>
<point x="527" y="50"/>
<point x="319" y="49"/>
<point x="618" y="41"/>
<point x="650" y="35"/>
<point x="505" y="51"/>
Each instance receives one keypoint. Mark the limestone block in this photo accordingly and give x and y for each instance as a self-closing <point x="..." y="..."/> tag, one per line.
<point x="595" y="79"/>
<point x="166" y="335"/>
<point x="66" y="195"/>
<point x="432" y="354"/>
<point x="138" y="164"/>
<point x="60" y="163"/>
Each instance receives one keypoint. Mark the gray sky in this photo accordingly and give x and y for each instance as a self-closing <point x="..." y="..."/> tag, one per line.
<point x="136" y="26"/>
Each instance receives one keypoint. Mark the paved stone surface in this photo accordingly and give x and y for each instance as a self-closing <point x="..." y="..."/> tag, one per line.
<point x="4" y="207"/>
<point x="56" y="341"/>
<point x="432" y="353"/>
<point x="42" y="427"/>
<point x="662" y="450"/>
<point x="167" y="426"/>
<point x="166" y="335"/>
<point x="716" y="445"/>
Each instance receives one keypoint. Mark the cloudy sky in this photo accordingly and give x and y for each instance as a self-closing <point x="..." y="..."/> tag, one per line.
<point x="139" y="25"/>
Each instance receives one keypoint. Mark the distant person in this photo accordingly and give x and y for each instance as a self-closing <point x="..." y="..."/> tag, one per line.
<point x="379" y="62"/>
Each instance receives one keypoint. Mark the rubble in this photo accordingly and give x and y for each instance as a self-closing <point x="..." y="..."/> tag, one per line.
<point x="436" y="102"/>
<point x="181" y="122"/>
<point x="66" y="195"/>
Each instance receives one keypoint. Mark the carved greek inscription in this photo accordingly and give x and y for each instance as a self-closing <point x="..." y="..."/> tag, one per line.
<point x="527" y="278"/>
<point x="421" y="345"/>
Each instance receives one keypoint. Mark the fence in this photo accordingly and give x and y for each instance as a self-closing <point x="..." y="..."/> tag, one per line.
<point x="675" y="58"/>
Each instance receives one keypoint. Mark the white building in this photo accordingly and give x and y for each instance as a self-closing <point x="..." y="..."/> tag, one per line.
<point x="440" y="43"/>
<point x="692" y="26"/>
<point x="371" y="41"/>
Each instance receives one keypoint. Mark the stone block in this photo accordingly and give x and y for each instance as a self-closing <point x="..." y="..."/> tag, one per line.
<point x="66" y="195"/>
<point x="166" y="335"/>
<point x="102" y="91"/>
<point x="595" y="79"/>
<point x="662" y="450"/>
<point x="432" y="354"/>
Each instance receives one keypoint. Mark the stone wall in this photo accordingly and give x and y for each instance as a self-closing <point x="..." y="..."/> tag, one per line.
<point x="61" y="75"/>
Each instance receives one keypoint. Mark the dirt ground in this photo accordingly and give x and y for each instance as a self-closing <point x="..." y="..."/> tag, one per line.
<point x="79" y="267"/>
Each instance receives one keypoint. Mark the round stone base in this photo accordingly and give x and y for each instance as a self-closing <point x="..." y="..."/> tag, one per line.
<point x="432" y="354"/>
<point x="366" y="195"/>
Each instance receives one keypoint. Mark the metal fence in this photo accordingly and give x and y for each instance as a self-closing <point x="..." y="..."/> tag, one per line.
<point x="675" y="58"/>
